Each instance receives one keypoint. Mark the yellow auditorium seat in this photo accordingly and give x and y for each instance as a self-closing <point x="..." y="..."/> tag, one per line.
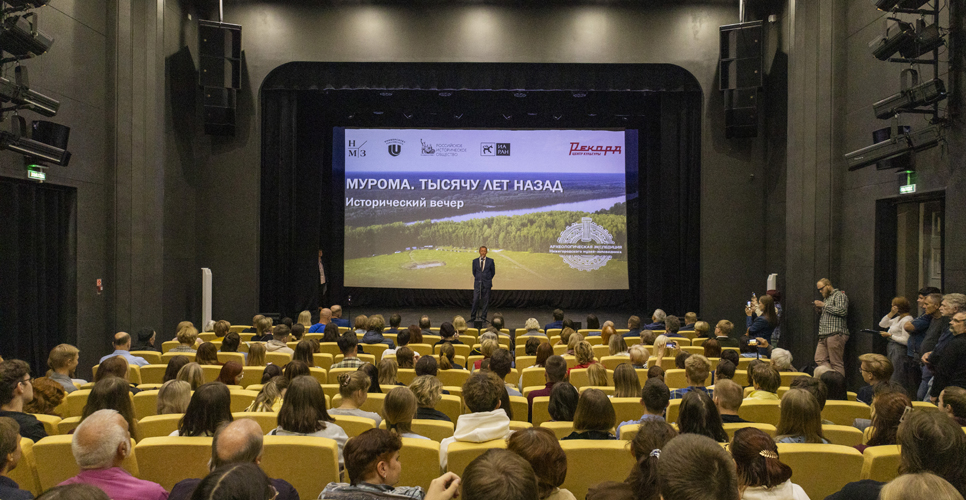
<point x="601" y="351"/>
<point x="451" y="405"/>
<point x="571" y="361"/>
<point x="741" y="377"/>
<point x="524" y="362"/>
<point x="534" y="376"/>
<point x="353" y="426"/>
<point x="207" y="336"/>
<point x="471" y="361"/>
<point x="317" y="462"/>
<point x="459" y="349"/>
<point x="460" y="454"/>
<point x="239" y="328"/>
<point x="677" y="379"/>
<point x="422" y="349"/>
<point x="240" y="400"/>
<point x="519" y="407"/>
<point x="320" y="374"/>
<point x="255" y="387"/>
<point x="150" y="387"/>
<point x="330" y="390"/>
<point x="152" y="357"/>
<point x="329" y="348"/>
<point x="405" y="375"/>
<point x="924" y="405"/>
<point x="743" y="363"/>
<point x="435" y="430"/>
<point x="168" y="345"/>
<point x="540" y="410"/>
<point x="453" y="377"/>
<point x="266" y="420"/>
<point x="731" y="428"/>
<point x="699" y="342"/>
<point x="689" y="348"/>
<point x="845" y="412"/>
<point x="25" y="474"/>
<point x="585" y="459"/>
<point x="373" y="402"/>
<point x="666" y="362"/>
<point x="763" y="412"/>
<point x="375" y="349"/>
<point x="627" y="408"/>
<point x="821" y="469"/>
<point x="516" y="425"/>
<point x="68" y="424"/>
<point x="50" y="423"/>
<point x="512" y="377"/>
<point x="157" y="456"/>
<point x="579" y="378"/>
<point x="277" y="358"/>
<point x="673" y="408"/>
<point x="323" y="360"/>
<point x="224" y="357"/>
<point x="559" y="350"/>
<point x="420" y="462"/>
<point x="145" y="404"/>
<point x="603" y="388"/>
<point x="168" y="355"/>
<point x="153" y="373"/>
<point x="454" y="390"/>
<point x="880" y="463"/>
<point x="845" y="435"/>
<point x="560" y="429"/>
<point x="787" y="377"/>
<point x="158" y="425"/>
<point x="133" y="373"/>
<point x="611" y="362"/>
<point x="253" y="375"/>
<point x="335" y="372"/>
<point x="597" y="340"/>
<point x="629" y="431"/>
<point x="76" y="401"/>
<point x="55" y="461"/>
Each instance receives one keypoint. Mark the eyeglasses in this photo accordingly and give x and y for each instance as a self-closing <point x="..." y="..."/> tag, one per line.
<point x="27" y="380"/>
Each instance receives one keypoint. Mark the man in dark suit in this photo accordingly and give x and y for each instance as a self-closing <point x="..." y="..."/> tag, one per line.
<point x="483" y="271"/>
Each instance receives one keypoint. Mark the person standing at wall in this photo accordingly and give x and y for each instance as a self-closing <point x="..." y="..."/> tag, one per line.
<point x="833" y="329"/>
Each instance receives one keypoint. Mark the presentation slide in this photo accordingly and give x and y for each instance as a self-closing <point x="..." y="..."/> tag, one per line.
<point x="549" y="205"/>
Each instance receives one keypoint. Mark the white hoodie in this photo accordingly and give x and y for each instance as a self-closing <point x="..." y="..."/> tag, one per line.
<point x="476" y="428"/>
<point x="785" y="491"/>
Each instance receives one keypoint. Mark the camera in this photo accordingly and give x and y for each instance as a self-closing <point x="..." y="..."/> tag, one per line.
<point x="753" y="342"/>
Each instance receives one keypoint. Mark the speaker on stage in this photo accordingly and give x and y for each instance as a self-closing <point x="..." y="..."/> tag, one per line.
<point x="740" y="76"/>
<point x="220" y="74"/>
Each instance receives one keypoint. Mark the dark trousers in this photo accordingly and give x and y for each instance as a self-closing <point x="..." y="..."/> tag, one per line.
<point x="323" y="298"/>
<point x="481" y="301"/>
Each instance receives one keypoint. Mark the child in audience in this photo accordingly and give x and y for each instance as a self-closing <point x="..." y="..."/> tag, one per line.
<point x="594" y="417"/>
<point x="766" y="380"/>
<point x="541" y="449"/>
<point x="481" y="394"/>
<point x="399" y="408"/>
<point x="256" y="355"/>
<point x="801" y="419"/>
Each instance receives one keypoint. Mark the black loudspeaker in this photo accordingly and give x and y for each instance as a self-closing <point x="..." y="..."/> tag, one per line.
<point x="740" y="76"/>
<point x="220" y="74"/>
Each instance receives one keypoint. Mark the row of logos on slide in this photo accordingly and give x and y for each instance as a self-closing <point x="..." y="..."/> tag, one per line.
<point x="395" y="147"/>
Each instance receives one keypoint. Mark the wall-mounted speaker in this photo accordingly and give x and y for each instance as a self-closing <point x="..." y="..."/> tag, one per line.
<point x="219" y="74"/>
<point x="740" y="76"/>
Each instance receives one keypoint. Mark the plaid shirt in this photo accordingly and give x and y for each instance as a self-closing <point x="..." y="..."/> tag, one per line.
<point x="834" y="315"/>
<point x="352" y="362"/>
<point x="679" y="393"/>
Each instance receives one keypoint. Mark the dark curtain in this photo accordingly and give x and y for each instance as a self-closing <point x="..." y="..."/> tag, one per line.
<point x="303" y="204"/>
<point x="38" y="255"/>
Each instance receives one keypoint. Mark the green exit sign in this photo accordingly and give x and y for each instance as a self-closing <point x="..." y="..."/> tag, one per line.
<point x="907" y="181"/>
<point x="907" y="189"/>
<point x="36" y="175"/>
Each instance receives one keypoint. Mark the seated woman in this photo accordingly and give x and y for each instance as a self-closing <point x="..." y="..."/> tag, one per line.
<point x="533" y="328"/>
<point x="638" y="355"/>
<point x="712" y="348"/>
<point x="952" y="401"/>
<point x="530" y="346"/>
<point x="761" y="475"/>
<point x="373" y="373"/>
<point x="834" y="382"/>
<point x="486" y="350"/>
<point x="597" y="375"/>
<point x="405" y="358"/>
<point x="801" y="419"/>
<point x="595" y="416"/>
<point x="48" y="395"/>
<point x="544" y="351"/>
<point x="781" y="359"/>
<point x="175" y="365"/>
<point x="207" y="354"/>
<point x="626" y="383"/>
<point x="270" y="372"/>
<point x="269" y="399"/>
<point x="541" y="449"/>
<point x="699" y="415"/>
<point x="115" y="367"/>
<point x="354" y="389"/>
<point x="447" y="358"/>
<point x="563" y="402"/>
<point x="331" y="333"/>
<point x="575" y="338"/>
<point x="305" y="352"/>
<point x="887" y="411"/>
<point x="660" y="348"/>
<point x="187" y="336"/>
<point x="387" y="373"/>
<point x="173" y="397"/>
<point x="399" y="408"/>
<point x="642" y="481"/>
<point x="295" y="369"/>
<point x="428" y="391"/>
<point x="231" y="342"/>
<point x="144" y="340"/>
<point x="210" y="408"/>
<point x="231" y="373"/>
<point x="111" y="393"/>
<point x="584" y="354"/>
<point x="303" y="413"/>
<point x="256" y="355"/>
<point x="616" y="346"/>
<point x="192" y="374"/>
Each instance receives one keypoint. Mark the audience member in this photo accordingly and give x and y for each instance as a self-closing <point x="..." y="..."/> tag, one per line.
<point x="712" y="349"/>
<point x="48" y="395"/>
<point x="254" y="327"/>
<point x="731" y="355"/>
<point x="655" y="398"/>
<point x="337" y="316"/>
<point x="210" y="407"/>
<point x="633" y="327"/>
<point x="655" y="372"/>
<point x="354" y="389"/>
<point x="695" y="467"/>
<point x="233" y="482"/>
<point x="616" y="346"/>
<point x="173" y="397"/>
<point x="642" y="481"/>
<point x="187" y="338"/>
<point x="766" y="380"/>
<point x="835" y="383"/>
<point x="529" y="347"/>
<point x="425" y="326"/>
<point x="499" y="474"/>
<point x="100" y="444"/>
<point x="144" y="340"/>
<point x="74" y="492"/>
<point x="782" y="360"/>
<point x="761" y="474"/>
<point x="887" y="411"/>
<point x="626" y="382"/>
<point x="563" y="402"/>
<point x="230" y="343"/>
<point x="269" y="399"/>
<point x="875" y="368"/>
<point x="305" y="319"/>
<point x="597" y="375"/>
<point x="231" y="373"/>
<point x="348" y="346"/>
<point x="63" y="361"/>
<point x="558" y="316"/>
<point x="325" y="316"/>
<point x="331" y="333"/>
<point x="394" y="321"/>
<point x="115" y="367"/>
<point x="373" y="373"/>
<point x="594" y="417"/>
<point x="555" y="371"/>
<point x="387" y="372"/>
<point x="305" y="352"/>
<point x="403" y="338"/>
<point x="801" y="419"/>
<point x="592" y="324"/>
<point x="722" y="333"/>
<point x="447" y="358"/>
<point x="724" y="371"/>
<point x="660" y="347"/>
<point x="657" y="320"/>
<point x="698" y="415"/>
<point x="405" y="358"/>
<point x="399" y="409"/>
<point x="690" y="322"/>
<point x="192" y="374"/>
<point x="263" y="330"/>
<point x="541" y="449"/>
<point x="256" y="355"/>
<point x="16" y="390"/>
<point x="207" y="353"/>
<point x="428" y="391"/>
<point x="448" y="334"/>
<point x="122" y="347"/>
<point x="702" y="330"/>
<point x="680" y="361"/>
<point x="912" y="486"/>
<point x="948" y="358"/>
<point x="501" y="363"/>
<point x="584" y="354"/>
<point x="727" y="399"/>
<point x="762" y="327"/>
<point x="111" y="394"/>
<point x="481" y="395"/>
<point x="374" y="329"/>
<point x="671" y="327"/>
<point x="638" y="354"/>
<point x="360" y="324"/>
<point x="697" y="368"/>
<point x="303" y="413"/>
<point x="281" y="334"/>
<point x="270" y="372"/>
<point x="11" y="454"/>
<point x="952" y="401"/>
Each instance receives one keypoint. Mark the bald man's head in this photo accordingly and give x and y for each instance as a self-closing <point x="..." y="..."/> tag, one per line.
<point x="122" y="341"/>
<point x="325" y="314"/>
<point x="101" y="441"/>
<point x="237" y="442"/>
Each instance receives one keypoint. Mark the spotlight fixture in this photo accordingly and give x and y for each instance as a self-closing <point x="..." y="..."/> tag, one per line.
<point x="923" y="94"/>
<point x="896" y="37"/>
<point x="21" y="38"/>
<point x="33" y="149"/>
<point x="888" y="5"/>
<point x="928" y="38"/>
<point x="23" y="98"/>
<point x="26" y="4"/>
<point x="895" y="146"/>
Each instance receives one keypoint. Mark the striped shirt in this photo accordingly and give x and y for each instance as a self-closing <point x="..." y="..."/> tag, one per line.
<point x="834" y="315"/>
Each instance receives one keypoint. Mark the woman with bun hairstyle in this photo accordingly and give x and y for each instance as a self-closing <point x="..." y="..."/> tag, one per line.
<point x="761" y="475"/>
<point x="354" y="389"/>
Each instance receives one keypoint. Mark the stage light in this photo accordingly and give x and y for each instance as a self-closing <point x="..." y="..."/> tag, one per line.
<point x="928" y="38"/>
<point x="33" y="149"/>
<point x="20" y="94"/>
<point x="897" y="36"/>
<point x="895" y="146"/>
<point x="926" y="138"/>
<point x="887" y="5"/>
<point x="923" y="94"/>
<point x="21" y="38"/>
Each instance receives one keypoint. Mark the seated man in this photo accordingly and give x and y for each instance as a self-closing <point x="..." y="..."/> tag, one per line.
<point x="499" y="474"/>
<point x="280" y="336"/>
<point x="337" y="317"/>
<point x="655" y="398"/>
<point x="425" y="325"/>
<point x="238" y="442"/>
<point x="374" y="330"/>
<point x="633" y="326"/>
<point x="481" y="394"/>
<point x="671" y="326"/>
<point x="555" y="371"/>
<point x="690" y="322"/>
<point x="694" y="467"/>
<point x="394" y="321"/>
<point x="253" y="329"/>
<point x="11" y="454"/>
<point x="766" y="380"/>
<point x="722" y="332"/>
<point x="558" y="317"/>
<point x="501" y="362"/>
<point x="728" y="397"/>
<point x="122" y="347"/>
<point x="325" y="316"/>
<point x="373" y="469"/>
<point x="348" y="344"/>
<point x="657" y="320"/>
<point x="16" y="390"/>
<point x="100" y="444"/>
<point x="448" y="335"/>
<point x="725" y="370"/>
<point x="696" y="371"/>
<point x="701" y="329"/>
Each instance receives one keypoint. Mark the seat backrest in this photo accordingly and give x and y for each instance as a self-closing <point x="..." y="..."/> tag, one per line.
<point x="323" y="360"/>
<point x="253" y="375"/>
<point x="821" y="469"/>
<point x="534" y="376"/>
<point x="329" y="348"/>
<point x="611" y="362"/>
<point x="317" y="463"/>
<point x="673" y="408"/>
<point x="437" y="430"/>
<point x="453" y="377"/>
<point x="266" y="420"/>
<point x="373" y="402"/>
<point x="145" y="404"/>
<point x="584" y="460"/>
<point x="25" y="474"/>
<point x="76" y="401"/>
<point x="224" y="357"/>
<point x="152" y="357"/>
<point x="627" y="408"/>
<point x="168" y="355"/>
<point x="605" y="389"/>
<point x="50" y="423"/>
<point x="168" y="345"/>
<point x="845" y="435"/>
<point x="375" y="349"/>
<point x="560" y="429"/>
<point x="156" y="455"/>
<point x="845" y="412"/>
<point x="68" y="424"/>
<point x="601" y="351"/>
<point x="451" y="405"/>
<point x="158" y="425"/>
<point x="540" y="410"/>
<point x="55" y="462"/>
<point x="153" y="373"/>
<point x="520" y="408"/>
<point x="524" y="362"/>
<point x="319" y="374"/>
<point x="579" y="378"/>
<point x="676" y="378"/>
<point x="211" y="372"/>
<point x="741" y="377"/>
<point x="460" y="454"/>
<point x="787" y="377"/>
<point x="335" y="372"/>
<point x="420" y="462"/>
<point x="240" y="400"/>
<point x="424" y="349"/>
<point x="761" y="411"/>
<point x="731" y="428"/>
<point x="880" y="463"/>
<point x="278" y="358"/>
<point x="352" y="425"/>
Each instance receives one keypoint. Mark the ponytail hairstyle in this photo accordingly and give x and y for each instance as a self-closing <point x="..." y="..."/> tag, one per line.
<point x="398" y="409"/>
<point x="646" y="447"/>
<point x="446" y="356"/>
<point x="352" y="382"/>
<point x="756" y="457"/>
